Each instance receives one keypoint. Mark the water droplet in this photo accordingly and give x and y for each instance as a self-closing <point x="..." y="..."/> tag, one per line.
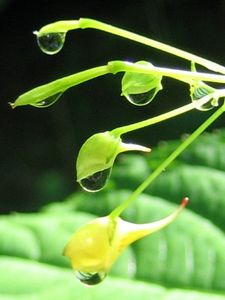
<point x="90" y="278"/>
<point x="201" y="92"/>
<point x="142" y="98"/>
<point x="51" y="43"/>
<point x="48" y="101"/>
<point x="95" y="182"/>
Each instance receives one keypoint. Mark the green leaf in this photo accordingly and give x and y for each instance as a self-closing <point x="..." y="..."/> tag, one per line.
<point x="204" y="186"/>
<point x="208" y="150"/>
<point x="42" y="282"/>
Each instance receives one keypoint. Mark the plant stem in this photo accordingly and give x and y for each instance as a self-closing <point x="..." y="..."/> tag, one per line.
<point x="185" y="76"/>
<point x="173" y="113"/>
<point x="118" y="210"/>
<point x="90" y="23"/>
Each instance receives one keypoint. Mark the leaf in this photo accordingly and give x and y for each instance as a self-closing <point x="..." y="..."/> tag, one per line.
<point x="42" y="282"/>
<point x="208" y="151"/>
<point x="204" y="186"/>
<point x="50" y="233"/>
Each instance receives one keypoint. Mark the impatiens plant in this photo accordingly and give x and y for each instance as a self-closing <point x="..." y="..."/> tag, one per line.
<point x="95" y="246"/>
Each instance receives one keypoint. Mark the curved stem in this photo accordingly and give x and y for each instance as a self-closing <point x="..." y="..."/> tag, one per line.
<point x="90" y="23"/>
<point x="168" y="115"/>
<point x="117" y="211"/>
<point x="83" y="23"/>
<point x="182" y="75"/>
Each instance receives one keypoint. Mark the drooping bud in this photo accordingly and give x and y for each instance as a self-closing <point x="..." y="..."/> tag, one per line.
<point x="96" y="158"/>
<point x="140" y="89"/>
<point x="199" y="90"/>
<point x="95" y="246"/>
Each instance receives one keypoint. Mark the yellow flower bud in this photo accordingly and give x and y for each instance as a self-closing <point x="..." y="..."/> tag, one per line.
<point x="95" y="246"/>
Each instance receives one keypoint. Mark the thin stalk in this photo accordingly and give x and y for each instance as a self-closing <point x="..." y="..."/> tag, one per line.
<point x="185" y="76"/>
<point x="168" y="115"/>
<point x="90" y="23"/>
<point x="118" y="210"/>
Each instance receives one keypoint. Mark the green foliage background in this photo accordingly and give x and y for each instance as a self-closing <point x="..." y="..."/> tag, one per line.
<point x="184" y="261"/>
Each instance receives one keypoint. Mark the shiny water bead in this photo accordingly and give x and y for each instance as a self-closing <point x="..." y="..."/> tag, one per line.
<point x="142" y="98"/>
<point x="96" y="158"/>
<point x="141" y="88"/>
<point x="96" y="182"/>
<point x="90" y="278"/>
<point x="48" y="101"/>
<point x="51" y="43"/>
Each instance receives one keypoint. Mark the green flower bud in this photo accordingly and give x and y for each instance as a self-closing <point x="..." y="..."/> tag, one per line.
<point x="139" y="88"/>
<point x="96" y="158"/>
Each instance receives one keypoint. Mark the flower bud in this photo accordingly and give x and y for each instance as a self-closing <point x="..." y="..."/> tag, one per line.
<point x="139" y="88"/>
<point x="95" y="246"/>
<point x="198" y="90"/>
<point x="96" y="158"/>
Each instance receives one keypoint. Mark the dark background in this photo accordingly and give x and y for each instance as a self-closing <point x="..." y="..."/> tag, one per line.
<point x="38" y="147"/>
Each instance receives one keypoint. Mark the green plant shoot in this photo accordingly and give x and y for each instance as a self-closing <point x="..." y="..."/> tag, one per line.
<point x="94" y="247"/>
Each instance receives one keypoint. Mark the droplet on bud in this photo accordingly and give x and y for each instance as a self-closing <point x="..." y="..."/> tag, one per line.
<point x="142" y="98"/>
<point x="48" y="101"/>
<point x="90" y="278"/>
<point x="200" y="91"/>
<point x="51" y="43"/>
<point x="96" y="158"/>
<point x="95" y="182"/>
<point x="139" y="88"/>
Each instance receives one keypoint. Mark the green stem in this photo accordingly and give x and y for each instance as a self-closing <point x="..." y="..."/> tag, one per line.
<point x="90" y="23"/>
<point x="117" y="211"/>
<point x="185" y="76"/>
<point x="178" y="111"/>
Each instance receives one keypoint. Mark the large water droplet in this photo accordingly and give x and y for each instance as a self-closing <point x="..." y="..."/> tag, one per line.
<point x="201" y="92"/>
<point x="95" y="182"/>
<point x="51" y="43"/>
<point x="48" y="101"/>
<point x="142" y="98"/>
<point x="91" y="278"/>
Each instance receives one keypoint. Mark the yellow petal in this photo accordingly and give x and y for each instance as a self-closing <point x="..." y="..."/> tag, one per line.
<point x="130" y="232"/>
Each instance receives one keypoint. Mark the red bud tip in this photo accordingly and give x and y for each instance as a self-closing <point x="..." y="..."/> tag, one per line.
<point x="184" y="201"/>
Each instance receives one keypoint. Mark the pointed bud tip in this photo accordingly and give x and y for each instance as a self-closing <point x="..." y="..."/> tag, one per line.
<point x="12" y="104"/>
<point x="184" y="201"/>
